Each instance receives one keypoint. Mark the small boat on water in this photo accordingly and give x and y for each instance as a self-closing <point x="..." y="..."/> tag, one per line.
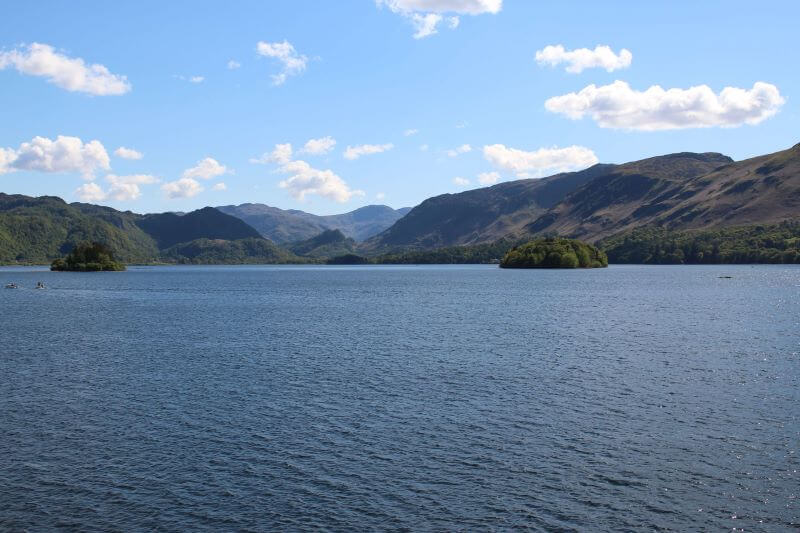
<point x="40" y="285"/>
<point x="11" y="286"/>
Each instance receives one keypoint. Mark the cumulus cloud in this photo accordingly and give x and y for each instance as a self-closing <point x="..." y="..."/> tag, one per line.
<point x="292" y="62"/>
<point x="538" y="162"/>
<point x="380" y="196"/>
<point x="582" y="58"/>
<point x="90" y="192"/>
<point x="122" y="188"/>
<point x="461" y="182"/>
<point x="127" y="153"/>
<point x="619" y="106"/>
<point x="233" y="65"/>
<point x="304" y="179"/>
<point x="126" y="188"/>
<point x="219" y="187"/>
<point x="205" y="169"/>
<point x="463" y="149"/>
<point x="320" y="146"/>
<point x="182" y="188"/>
<point x="354" y="152"/>
<point x="65" y="154"/>
<point x="411" y="131"/>
<point x="72" y="74"/>
<point x="488" y="178"/>
<point x="282" y="153"/>
<point x="426" y="15"/>
<point x="7" y="156"/>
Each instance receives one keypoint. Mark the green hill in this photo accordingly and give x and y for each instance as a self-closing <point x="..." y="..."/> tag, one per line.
<point x="41" y="230"/>
<point x="329" y="243"/>
<point x="252" y="250"/>
<point x="169" y="229"/>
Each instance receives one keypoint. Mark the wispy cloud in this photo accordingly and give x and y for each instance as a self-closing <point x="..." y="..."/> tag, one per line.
<point x="463" y="149"/>
<point x="292" y="62"/>
<point x="354" y="152"/>
<point x="426" y="15"/>
<point x="128" y="153"/>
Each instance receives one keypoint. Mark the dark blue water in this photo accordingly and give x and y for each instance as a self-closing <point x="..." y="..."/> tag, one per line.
<point x="400" y="398"/>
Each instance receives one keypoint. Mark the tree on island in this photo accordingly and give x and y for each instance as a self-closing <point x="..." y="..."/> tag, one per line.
<point x="554" y="252"/>
<point x="88" y="257"/>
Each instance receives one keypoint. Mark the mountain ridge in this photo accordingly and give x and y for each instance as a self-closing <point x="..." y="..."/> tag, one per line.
<point x="292" y="225"/>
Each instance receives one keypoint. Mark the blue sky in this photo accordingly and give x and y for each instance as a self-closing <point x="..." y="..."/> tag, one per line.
<point x="355" y="72"/>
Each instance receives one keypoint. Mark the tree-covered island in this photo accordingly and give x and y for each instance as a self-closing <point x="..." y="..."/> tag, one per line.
<point x="554" y="252"/>
<point x="88" y="257"/>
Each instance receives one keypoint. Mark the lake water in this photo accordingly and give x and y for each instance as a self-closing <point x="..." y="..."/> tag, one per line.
<point x="401" y="398"/>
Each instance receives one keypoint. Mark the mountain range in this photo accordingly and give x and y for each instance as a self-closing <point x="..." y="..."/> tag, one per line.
<point x="286" y="226"/>
<point x="675" y="192"/>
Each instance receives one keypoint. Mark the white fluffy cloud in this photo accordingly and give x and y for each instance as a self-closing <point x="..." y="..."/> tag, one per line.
<point x="122" y="188"/>
<point x="182" y="188"/>
<point x="65" y="154"/>
<point x="293" y="63"/>
<point x="205" y="169"/>
<point x="72" y="74"/>
<point x="282" y="153"/>
<point x="219" y="187"/>
<point x="319" y="146"/>
<point x="304" y="179"/>
<point x="426" y="15"/>
<point x="539" y="161"/>
<point x="380" y="196"/>
<point x="619" y="106"/>
<point x="354" y="152"/>
<point x="90" y="192"/>
<point x="425" y="24"/>
<point x="127" y="153"/>
<point x="582" y="58"/>
<point x="463" y="149"/>
<point x="488" y="178"/>
<point x="411" y="131"/>
<point x="233" y="65"/>
<point x="461" y="182"/>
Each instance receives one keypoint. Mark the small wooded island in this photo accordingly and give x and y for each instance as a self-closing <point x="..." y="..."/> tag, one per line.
<point x="554" y="252"/>
<point x="88" y="257"/>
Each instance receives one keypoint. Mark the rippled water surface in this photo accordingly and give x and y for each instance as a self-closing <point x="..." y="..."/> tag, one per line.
<point x="419" y="398"/>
